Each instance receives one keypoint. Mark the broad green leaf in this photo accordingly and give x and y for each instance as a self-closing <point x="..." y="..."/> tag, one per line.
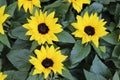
<point x="11" y="8"/>
<point x="104" y="1"/>
<point x="79" y="52"/>
<point x="103" y="48"/>
<point x="116" y="51"/>
<point x="65" y="37"/>
<point x="19" y="58"/>
<point x="2" y="2"/>
<point x="0" y="64"/>
<point x="112" y="37"/>
<point x="116" y="56"/>
<point x="35" y="77"/>
<point x="4" y="40"/>
<point x="1" y="47"/>
<point x="100" y="52"/>
<point x="21" y="44"/>
<point x="66" y="73"/>
<point x="100" y="68"/>
<point x="117" y="13"/>
<point x="93" y="76"/>
<point x="33" y="46"/>
<point x="16" y="75"/>
<point x="116" y="76"/>
<point x="45" y="0"/>
<point x="59" y="6"/>
<point x="93" y="8"/>
<point x="116" y="61"/>
<point x="19" y="32"/>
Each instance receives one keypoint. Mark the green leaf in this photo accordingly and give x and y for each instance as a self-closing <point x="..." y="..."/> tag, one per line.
<point x="19" y="32"/>
<point x="93" y="76"/>
<point x="112" y="37"/>
<point x="117" y="13"/>
<point x="19" y="58"/>
<point x="104" y="1"/>
<point x="45" y="0"/>
<point x="66" y="73"/>
<point x="103" y="49"/>
<point x="2" y="2"/>
<point x="59" y="6"/>
<point x="116" y="76"/>
<point x="116" y="56"/>
<point x="4" y="40"/>
<point x="0" y="64"/>
<point x="79" y="52"/>
<point x="94" y="7"/>
<point x="99" y="51"/>
<point x="1" y="47"/>
<point x="11" y="8"/>
<point x="116" y="51"/>
<point x="21" y="44"/>
<point x="35" y="77"/>
<point x="99" y="68"/>
<point x="34" y="45"/>
<point x="65" y="37"/>
<point x="16" y="75"/>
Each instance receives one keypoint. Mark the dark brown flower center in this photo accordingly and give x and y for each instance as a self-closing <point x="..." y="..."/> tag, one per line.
<point x="47" y="63"/>
<point x="89" y="30"/>
<point x="43" y="28"/>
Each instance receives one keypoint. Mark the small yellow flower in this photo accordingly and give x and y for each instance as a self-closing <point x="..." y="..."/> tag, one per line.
<point x="89" y="28"/>
<point x="2" y="76"/>
<point x="28" y="4"/>
<point x="3" y="17"/>
<point x="43" y="27"/>
<point x="48" y="59"/>
<point x="78" y="4"/>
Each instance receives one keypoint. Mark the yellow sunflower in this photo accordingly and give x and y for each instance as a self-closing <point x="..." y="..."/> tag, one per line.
<point x="89" y="28"/>
<point x="48" y="59"/>
<point x="78" y="4"/>
<point x="2" y="76"/>
<point x="3" y="17"/>
<point x="28" y="4"/>
<point x="43" y="27"/>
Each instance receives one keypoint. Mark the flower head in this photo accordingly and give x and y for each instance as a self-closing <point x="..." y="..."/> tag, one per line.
<point x="28" y="4"/>
<point x="78" y="4"/>
<point x="48" y="59"/>
<point x="3" y="17"/>
<point x="89" y="28"/>
<point x="43" y="27"/>
<point x="2" y="76"/>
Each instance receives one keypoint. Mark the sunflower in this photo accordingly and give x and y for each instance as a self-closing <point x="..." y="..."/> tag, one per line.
<point x="3" y="18"/>
<point x="28" y="4"/>
<point x="48" y="59"/>
<point x="89" y="28"/>
<point x="2" y="76"/>
<point x="42" y="27"/>
<point x="78" y="4"/>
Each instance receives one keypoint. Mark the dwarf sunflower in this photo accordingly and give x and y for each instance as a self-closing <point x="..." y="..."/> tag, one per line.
<point x="2" y="76"/>
<point x="3" y="18"/>
<point x="42" y="27"/>
<point x="28" y="4"/>
<point x="89" y="28"/>
<point x="48" y="59"/>
<point x="78" y="4"/>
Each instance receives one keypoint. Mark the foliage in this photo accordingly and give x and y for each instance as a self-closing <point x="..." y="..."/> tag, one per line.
<point x="84" y="62"/>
